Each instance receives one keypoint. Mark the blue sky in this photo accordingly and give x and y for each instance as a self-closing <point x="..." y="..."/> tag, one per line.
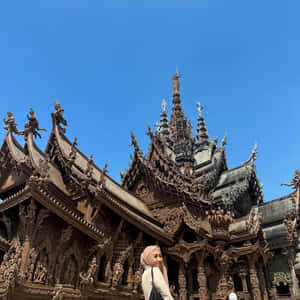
<point x="110" y="63"/>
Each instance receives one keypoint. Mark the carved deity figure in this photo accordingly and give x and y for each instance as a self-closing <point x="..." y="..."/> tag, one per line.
<point x="163" y="105"/>
<point x="176" y="83"/>
<point x="199" y="109"/>
<point x="34" y="124"/>
<point x="137" y="280"/>
<point x="10" y="123"/>
<point x="58" y="115"/>
<point x="40" y="274"/>
<point x="117" y="273"/>
<point x="87" y="279"/>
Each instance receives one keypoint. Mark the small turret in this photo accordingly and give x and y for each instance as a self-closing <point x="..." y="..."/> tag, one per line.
<point x="203" y="140"/>
<point x="164" y="123"/>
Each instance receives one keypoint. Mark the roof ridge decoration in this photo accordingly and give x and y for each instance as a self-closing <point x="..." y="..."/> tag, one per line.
<point x="10" y="124"/>
<point x="33" y="124"/>
<point x="58" y="118"/>
<point x="252" y="156"/>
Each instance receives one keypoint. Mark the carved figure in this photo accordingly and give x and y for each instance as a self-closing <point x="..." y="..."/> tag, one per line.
<point x="89" y="169"/>
<point x="163" y="105"/>
<point x="175" y="83"/>
<point x="137" y="280"/>
<point x="10" y="123"/>
<point x="295" y="182"/>
<point x="87" y="279"/>
<point x="34" y="124"/>
<point x="199" y="109"/>
<point x="58" y="115"/>
<point x="117" y="273"/>
<point x="41" y="273"/>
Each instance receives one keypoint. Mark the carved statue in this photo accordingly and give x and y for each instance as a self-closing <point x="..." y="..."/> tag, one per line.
<point x="163" y="105"/>
<point x="101" y="183"/>
<point x="134" y="142"/>
<point x="44" y="167"/>
<point x="58" y="115"/>
<point x="199" y="109"/>
<point x="89" y="169"/>
<point x="34" y="124"/>
<point x="176" y="83"/>
<point x="41" y="272"/>
<point x="137" y="280"/>
<point x="117" y="273"/>
<point x="295" y="182"/>
<point x="10" y="123"/>
<point x="87" y="279"/>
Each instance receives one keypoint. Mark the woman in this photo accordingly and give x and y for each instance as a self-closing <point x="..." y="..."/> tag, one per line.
<point x="151" y="258"/>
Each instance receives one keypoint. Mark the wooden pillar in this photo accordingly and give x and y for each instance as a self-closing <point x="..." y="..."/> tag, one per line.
<point x="254" y="278"/>
<point x="25" y="254"/>
<point x="263" y="282"/>
<point x="202" y="281"/>
<point x="182" y="282"/>
<point x="130" y="276"/>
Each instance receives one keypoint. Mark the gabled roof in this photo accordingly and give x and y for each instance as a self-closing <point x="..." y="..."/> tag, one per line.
<point x="43" y="177"/>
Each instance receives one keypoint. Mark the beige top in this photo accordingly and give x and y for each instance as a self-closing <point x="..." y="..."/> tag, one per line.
<point x="159" y="284"/>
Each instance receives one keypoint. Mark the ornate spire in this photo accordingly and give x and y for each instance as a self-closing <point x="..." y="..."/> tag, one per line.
<point x="180" y="129"/>
<point x="164" y="123"/>
<point x="202" y="136"/>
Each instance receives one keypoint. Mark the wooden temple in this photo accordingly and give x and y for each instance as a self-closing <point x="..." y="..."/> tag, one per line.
<point x="69" y="231"/>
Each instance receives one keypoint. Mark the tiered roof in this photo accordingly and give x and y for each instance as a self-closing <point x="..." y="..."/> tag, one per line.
<point x="63" y="178"/>
<point x="193" y="168"/>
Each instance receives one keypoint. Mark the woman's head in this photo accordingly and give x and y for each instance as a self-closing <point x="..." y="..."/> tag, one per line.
<point x="151" y="257"/>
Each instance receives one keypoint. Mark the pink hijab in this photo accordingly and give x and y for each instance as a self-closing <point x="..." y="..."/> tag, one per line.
<point x="147" y="260"/>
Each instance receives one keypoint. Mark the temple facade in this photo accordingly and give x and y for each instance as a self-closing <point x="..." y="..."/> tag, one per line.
<point x="69" y="231"/>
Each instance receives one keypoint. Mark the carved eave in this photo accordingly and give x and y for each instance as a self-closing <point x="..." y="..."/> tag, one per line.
<point x="134" y="216"/>
<point x="161" y="173"/>
<point x="235" y="182"/>
<point x="44" y="168"/>
<point x="247" y="227"/>
<point x="15" y="164"/>
<point x="110" y="193"/>
<point x="280" y="228"/>
<point x="210" y="167"/>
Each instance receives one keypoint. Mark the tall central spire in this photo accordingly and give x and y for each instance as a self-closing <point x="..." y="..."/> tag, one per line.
<point x="180" y="129"/>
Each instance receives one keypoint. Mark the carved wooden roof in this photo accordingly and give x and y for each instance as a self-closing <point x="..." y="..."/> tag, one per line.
<point x="61" y="177"/>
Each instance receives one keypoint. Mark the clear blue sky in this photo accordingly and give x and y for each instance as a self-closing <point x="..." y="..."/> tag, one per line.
<point x="110" y="64"/>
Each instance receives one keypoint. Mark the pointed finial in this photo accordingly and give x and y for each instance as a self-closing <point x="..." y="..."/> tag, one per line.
<point x="134" y="142"/>
<point x="254" y="152"/>
<point x="163" y="105"/>
<point x="224" y="141"/>
<point x="200" y="109"/>
<point x="150" y="131"/>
